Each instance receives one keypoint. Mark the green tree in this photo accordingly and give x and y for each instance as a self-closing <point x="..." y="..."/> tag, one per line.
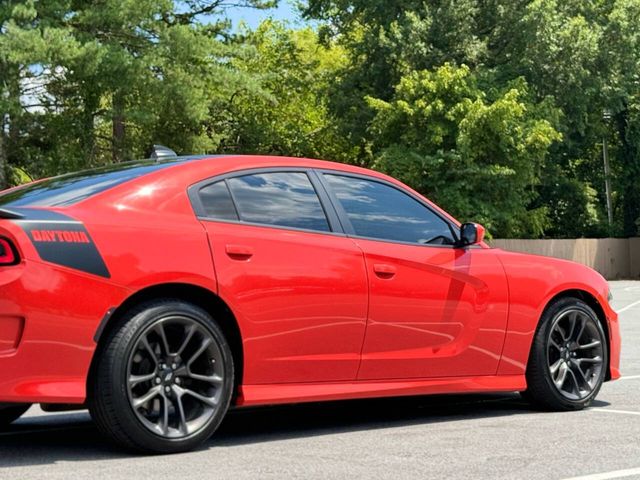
<point x="476" y="157"/>
<point x="117" y="78"/>
<point x="294" y="71"/>
<point x="577" y="58"/>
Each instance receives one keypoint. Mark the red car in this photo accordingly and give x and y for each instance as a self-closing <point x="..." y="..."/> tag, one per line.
<point x="160" y="293"/>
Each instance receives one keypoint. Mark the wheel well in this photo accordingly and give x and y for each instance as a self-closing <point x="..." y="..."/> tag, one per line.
<point x="201" y="297"/>
<point x="590" y="300"/>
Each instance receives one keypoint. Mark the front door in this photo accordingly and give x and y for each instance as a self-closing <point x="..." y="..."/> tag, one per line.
<point x="435" y="310"/>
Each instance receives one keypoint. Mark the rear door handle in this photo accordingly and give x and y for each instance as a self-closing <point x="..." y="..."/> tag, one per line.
<point x="384" y="270"/>
<point x="239" y="252"/>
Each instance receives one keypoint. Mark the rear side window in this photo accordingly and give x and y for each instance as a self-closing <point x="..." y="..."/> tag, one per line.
<point x="377" y="210"/>
<point x="284" y="199"/>
<point x="217" y="202"/>
<point x="72" y="188"/>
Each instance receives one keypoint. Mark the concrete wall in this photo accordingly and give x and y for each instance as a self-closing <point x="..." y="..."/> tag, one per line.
<point x="614" y="258"/>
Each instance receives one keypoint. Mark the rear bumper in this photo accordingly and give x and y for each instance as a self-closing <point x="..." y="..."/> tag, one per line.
<point x="48" y="317"/>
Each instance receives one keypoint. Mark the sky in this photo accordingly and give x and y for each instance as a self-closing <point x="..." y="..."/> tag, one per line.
<point x="252" y="17"/>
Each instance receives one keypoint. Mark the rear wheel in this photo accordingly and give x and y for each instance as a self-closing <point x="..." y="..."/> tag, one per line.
<point x="11" y="412"/>
<point x="568" y="359"/>
<point x="164" y="379"/>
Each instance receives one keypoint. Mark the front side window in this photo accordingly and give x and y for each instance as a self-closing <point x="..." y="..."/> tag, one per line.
<point x="285" y="199"/>
<point x="377" y="210"/>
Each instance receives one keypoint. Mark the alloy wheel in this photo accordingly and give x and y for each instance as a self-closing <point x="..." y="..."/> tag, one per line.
<point x="175" y="377"/>
<point x="575" y="354"/>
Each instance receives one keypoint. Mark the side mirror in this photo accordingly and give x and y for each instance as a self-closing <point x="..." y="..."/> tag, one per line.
<point x="471" y="234"/>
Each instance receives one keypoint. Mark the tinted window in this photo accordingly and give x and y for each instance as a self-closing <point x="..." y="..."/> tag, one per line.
<point x="285" y="199"/>
<point x="217" y="202"/>
<point x="377" y="210"/>
<point x="69" y="189"/>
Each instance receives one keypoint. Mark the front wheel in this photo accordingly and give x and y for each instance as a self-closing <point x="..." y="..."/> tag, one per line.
<point x="568" y="359"/>
<point x="9" y="413"/>
<point x="164" y="378"/>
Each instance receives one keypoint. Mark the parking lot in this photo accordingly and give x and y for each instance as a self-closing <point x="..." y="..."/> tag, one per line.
<point x="495" y="436"/>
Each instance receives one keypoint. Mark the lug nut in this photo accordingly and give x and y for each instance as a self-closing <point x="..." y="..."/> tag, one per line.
<point x="174" y="366"/>
<point x="178" y="381"/>
<point x="158" y="380"/>
<point x="167" y="389"/>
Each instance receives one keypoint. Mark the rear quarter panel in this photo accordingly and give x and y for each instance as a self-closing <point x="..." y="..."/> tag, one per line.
<point x="145" y="232"/>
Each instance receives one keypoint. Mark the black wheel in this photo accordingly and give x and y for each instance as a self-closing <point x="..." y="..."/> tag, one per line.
<point x="9" y="413"/>
<point x="567" y="363"/>
<point x="164" y="378"/>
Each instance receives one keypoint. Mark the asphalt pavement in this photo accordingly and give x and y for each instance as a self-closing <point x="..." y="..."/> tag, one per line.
<point x="470" y="437"/>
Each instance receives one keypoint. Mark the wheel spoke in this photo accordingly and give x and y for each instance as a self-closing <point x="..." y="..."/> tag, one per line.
<point x="163" y="337"/>
<point x="583" y="324"/>
<point x="555" y="344"/>
<point x="589" y="345"/>
<point x="573" y="318"/>
<point x="554" y="368"/>
<point x="136" y="379"/>
<point x="575" y="381"/>
<point x="206" y="400"/>
<point x="164" y="421"/>
<point x="205" y="344"/>
<point x="562" y="376"/>
<point x="595" y="360"/>
<point x="189" y="334"/>
<point x="213" y="379"/>
<point x="560" y="330"/>
<point x="147" y="347"/>
<point x="150" y="395"/>
<point x="182" y="419"/>
<point x="583" y="377"/>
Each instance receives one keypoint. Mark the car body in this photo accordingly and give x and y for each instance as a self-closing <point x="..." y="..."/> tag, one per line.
<point x="314" y="304"/>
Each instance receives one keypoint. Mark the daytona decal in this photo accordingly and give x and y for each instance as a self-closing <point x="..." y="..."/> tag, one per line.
<point x="62" y="240"/>
<point x="59" y="236"/>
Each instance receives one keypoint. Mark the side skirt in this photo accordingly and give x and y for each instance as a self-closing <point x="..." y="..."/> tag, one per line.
<point x="250" y="395"/>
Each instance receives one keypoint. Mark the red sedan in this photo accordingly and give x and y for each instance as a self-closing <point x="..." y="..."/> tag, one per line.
<point x="160" y="293"/>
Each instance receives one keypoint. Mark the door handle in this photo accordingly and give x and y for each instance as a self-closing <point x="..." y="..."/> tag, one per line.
<point x="239" y="252"/>
<point x="383" y="270"/>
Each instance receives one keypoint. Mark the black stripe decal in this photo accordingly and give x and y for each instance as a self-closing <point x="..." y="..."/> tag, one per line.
<point x="63" y="240"/>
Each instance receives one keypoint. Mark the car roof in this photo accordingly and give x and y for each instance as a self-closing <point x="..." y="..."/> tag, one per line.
<point x="173" y="174"/>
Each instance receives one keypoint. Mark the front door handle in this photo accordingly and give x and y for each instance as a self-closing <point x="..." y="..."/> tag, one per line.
<point x="384" y="270"/>
<point x="239" y="252"/>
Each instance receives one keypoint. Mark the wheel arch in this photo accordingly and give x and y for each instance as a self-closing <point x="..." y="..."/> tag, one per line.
<point x="592" y="302"/>
<point x="197" y="295"/>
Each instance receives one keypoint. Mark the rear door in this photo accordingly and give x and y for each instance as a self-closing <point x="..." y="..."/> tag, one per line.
<point x="296" y="283"/>
<point x="435" y="310"/>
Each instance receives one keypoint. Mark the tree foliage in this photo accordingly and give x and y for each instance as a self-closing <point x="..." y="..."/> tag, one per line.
<point x="479" y="157"/>
<point x="493" y="108"/>
<point x="575" y="61"/>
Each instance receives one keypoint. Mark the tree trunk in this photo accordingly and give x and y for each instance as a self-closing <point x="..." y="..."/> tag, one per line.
<point x="118" y="128"/>
<point x="87" y="135"/>
<point x="3" y="155"/>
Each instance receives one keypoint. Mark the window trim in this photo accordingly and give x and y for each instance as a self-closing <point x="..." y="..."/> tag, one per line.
<point x="339" y="222"/>
<point x="350" y="230"/>
<point x="333" y="222"/>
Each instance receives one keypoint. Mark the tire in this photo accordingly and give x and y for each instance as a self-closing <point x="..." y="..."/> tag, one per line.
<point x="11" y="412"/>
<point x="152" y="395"/>
<point x="568" y="358"/>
